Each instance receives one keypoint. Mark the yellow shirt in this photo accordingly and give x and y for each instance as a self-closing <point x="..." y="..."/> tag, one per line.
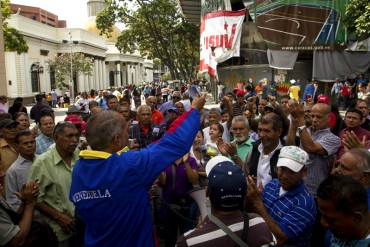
<point x="7" y="155"/>
<point x="294" y="92"/>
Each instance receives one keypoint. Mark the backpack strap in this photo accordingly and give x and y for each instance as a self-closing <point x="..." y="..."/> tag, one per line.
<point x="230" y="233"/>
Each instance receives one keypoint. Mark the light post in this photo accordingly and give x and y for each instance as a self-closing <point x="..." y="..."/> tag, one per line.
<point x="37" y="68"/>
<point x="71" y="85"/>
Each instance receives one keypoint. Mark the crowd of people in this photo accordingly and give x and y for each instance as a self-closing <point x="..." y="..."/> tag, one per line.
<point x="121" y="167"/>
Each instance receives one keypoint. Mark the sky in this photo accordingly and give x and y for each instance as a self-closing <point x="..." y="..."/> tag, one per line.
<point x="73" y="11"/>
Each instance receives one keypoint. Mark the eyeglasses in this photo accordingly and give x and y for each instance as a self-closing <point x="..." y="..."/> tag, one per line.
<point x="175" y="97"/>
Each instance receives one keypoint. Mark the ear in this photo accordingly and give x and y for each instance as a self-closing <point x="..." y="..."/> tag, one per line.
<point x="357" y="217"/>
<point x="280" y="130"/>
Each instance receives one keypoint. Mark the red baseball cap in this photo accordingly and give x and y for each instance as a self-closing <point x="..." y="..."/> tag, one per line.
<point x="74" y="119"/>
<point x="323" y="99"/>
<point x="240" y="92"/>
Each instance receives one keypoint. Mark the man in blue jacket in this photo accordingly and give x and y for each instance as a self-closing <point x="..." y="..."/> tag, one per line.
<point x="110" y="188"/>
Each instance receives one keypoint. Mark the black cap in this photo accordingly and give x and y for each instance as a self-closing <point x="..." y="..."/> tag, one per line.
<point x="8" y="123"/>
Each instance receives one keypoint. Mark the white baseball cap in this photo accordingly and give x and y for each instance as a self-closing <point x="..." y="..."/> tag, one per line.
<point x="292" y="157"/>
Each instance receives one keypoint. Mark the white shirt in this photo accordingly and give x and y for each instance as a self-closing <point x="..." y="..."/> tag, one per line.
<point x="263" y="169"/>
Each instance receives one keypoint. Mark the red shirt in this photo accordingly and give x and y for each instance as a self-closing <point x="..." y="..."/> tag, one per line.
<point x="157" y="117"/>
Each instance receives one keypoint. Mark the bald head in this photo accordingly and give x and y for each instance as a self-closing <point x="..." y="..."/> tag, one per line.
<point x="102" y="127"/>
<point x="151" y="101"/>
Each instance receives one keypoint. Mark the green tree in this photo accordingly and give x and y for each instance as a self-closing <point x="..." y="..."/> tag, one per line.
<point x="357" y="18"/>
<point x="61" y="65"/>
<point x="157" y="29"/>
<point x="13" y="39"/>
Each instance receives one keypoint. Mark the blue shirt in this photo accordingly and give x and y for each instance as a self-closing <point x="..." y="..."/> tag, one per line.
<point x="43" y="142"/>
<point x="309" y="89"/>
<point x="111" y="191"/>
<point x="294" y="211"/>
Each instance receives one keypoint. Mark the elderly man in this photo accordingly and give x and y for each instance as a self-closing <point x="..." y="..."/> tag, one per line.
<point x="242" y="144"/>
<point x="45" y="138"/>
<point x="125" y="202"/>
<point x="286" y="205"/>
<point x="145" y="132"/>
<point x="353" y="120"/>
<point x="176" y="97"/>
<point x="343" y="204"/>
<point x="261" y="161"/>
<point x="53" y="170"/>
<point x="157" y="116"/>
<point x="226" y="191"/>
<point x="17" y="173"/>
<point x="355" y="164"/>
<point x="8" y="153"/>
<point x="320" y="144"/>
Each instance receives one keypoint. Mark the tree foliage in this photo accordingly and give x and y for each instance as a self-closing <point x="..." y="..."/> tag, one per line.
<point x="357" y="17"/>
<point x="157" y="29"/>
<point x="61" y="65"/>
<point x="13" y="39"/>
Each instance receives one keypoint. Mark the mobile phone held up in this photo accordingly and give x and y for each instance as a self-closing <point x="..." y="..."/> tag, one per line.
<point x="194" y="91"/>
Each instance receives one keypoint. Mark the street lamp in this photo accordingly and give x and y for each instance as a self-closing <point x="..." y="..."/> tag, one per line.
<point x="38" y="69"/>
<point x="71" y="89"/>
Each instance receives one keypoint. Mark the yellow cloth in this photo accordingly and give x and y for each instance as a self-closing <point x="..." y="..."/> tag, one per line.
<point x="92" y="154"/>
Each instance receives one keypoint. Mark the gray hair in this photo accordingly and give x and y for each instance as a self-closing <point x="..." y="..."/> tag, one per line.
<point x="141" y="107"/>
<point x="214" y="110"/>
<point x="59" y="128"/>
<point x="241" y="119"/>
<point x="101" y="129"/>
<point x="364" y="157"/>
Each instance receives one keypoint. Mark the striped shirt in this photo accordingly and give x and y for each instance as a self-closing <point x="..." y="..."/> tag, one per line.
<point x="317" y="164"/>
<point x="294" y="211"/>
<point x="209" y="234"/>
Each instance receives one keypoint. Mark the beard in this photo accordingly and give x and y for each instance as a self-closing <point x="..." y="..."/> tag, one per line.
<point x="240" y="138"/>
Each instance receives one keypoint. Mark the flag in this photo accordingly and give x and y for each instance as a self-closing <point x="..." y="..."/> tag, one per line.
<point x="220" y="33"/>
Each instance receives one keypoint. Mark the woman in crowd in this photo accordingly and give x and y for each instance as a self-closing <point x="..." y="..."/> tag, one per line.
<point x="176" y="182"/>
<point x="24" y="122"/>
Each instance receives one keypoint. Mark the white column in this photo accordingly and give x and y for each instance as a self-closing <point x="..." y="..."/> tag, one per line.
<point x="95" y="73"/>
<point x="124" y="71"/>
<point x="100" y="79"/>
<point x="104" y="81"/>
<point x="118" y="76"/>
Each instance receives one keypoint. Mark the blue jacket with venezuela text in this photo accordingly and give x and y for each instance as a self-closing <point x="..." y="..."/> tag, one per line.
<point x="111" y="191"/>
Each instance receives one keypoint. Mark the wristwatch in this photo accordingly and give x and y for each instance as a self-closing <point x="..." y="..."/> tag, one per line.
<point x="301" y="128"/>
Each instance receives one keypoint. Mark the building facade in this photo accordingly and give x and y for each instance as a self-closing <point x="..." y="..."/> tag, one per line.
<point x="27" y="74"/>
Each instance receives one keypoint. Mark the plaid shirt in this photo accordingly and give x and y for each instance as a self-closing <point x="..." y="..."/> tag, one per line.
<point x="42" y="143"/>
<point x="155" y="133"/>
